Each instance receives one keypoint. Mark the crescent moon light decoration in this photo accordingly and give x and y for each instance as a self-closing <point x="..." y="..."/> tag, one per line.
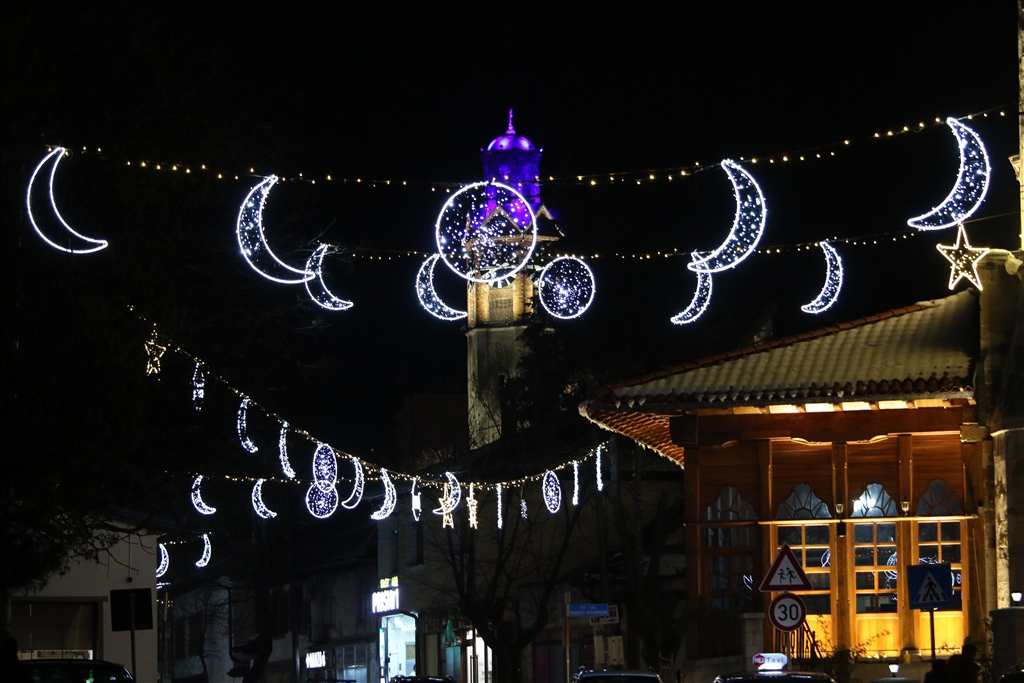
<point x="197" y="498"/>
<point x="207" y="551"/>
<point x="498" y="489"/>
<point x="318" y="291"/>
<point x="390" y="497"/>
<point x="253" y="242"/>
<point x="90" y="245"/>
<point x="198" y="387"/>
<point x="417" y="505"/>
<point x="428" y="296"/>
<point x="552" y="492"/>
<point x="322" y="497"/>
<point x="357" y="489"/>
<point x="971" y="183"/>
<point x="165" y="561"/>
<point x="701" y="298"/>
<point x="833" y="282"/>
<point x="242" y="427"/>
<point x="963" y="259"/>
<point x="486" y="232"/>
<point x="566" y="287"/>
<point x="257" y="501"/>
<point x="575" y="484"/>
<point x="747" y="226"/>
<point x="282" y="451"/>
<point x="452" y="497"/>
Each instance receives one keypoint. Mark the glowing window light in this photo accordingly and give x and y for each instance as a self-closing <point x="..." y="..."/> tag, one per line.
<point x="486" y="232"/>
<point x="257" y="501"/>
<point x="356" y="496"/>
<point x="390" y="497"/>
<point x="747" y="225"/>
<point x="829" y="293"/>
<point x="243" y="430"/>
<point x="971" y="183"/>
<point x="207" y="551"/>
<point x="252" y="240"/>
<point x="57" y="155"/>
<point x="566" y="287"/>
<point x="552" y="492"/>
<point x="282" y="451"/>
<point x="198" y="387"/>
<point x="427" y="295"/>
<point x="963" y="259"/>
<point x="165" y="561"/>
<point x="197" y="498"/>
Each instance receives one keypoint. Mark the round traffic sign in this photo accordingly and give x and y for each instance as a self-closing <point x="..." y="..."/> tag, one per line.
<point x="787" y="612"/>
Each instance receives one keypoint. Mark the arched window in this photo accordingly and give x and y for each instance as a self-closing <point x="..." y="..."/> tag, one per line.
<point x="729" y="507"/>
<point x="731" y="552"/>
<point x="874" y="502"/>
<point x="939" y="500"/>
<point x="803" y="504"/>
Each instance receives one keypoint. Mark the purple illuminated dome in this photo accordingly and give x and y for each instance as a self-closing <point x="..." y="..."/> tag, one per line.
<point x="510" y="140"/>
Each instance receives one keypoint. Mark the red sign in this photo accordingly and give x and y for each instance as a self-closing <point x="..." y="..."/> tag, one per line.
<point x="785" y="574"/>
<point x="787" y="612"/>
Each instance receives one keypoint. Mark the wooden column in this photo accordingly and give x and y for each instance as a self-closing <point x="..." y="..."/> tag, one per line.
<point x="973" y="547"/>
<point x="905" y="546"/>
<point x="842" y="554"/>
<point x="764" y="512"/>
<point x="694" y="552"/>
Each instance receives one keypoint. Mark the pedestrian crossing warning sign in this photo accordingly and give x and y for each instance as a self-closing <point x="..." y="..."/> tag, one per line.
<point x="929" y="585"/>
<point x="785" y="574"/>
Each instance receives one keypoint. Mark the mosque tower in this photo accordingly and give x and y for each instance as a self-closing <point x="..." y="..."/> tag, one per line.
<point x="498" y="313"/>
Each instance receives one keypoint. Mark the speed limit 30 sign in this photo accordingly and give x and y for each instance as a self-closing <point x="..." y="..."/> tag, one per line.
<point x="787" y="612"/>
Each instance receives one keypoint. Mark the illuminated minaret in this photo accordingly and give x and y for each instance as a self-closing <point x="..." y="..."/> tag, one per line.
<point x="498" y="313"/>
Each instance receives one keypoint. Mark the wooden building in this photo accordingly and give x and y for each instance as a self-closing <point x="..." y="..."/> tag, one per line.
<point x="862" y="446"/>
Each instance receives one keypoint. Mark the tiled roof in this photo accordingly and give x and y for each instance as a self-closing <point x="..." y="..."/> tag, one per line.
<point x="924" y="349"/>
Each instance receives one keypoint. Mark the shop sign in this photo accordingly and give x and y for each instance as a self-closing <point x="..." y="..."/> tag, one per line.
<point x="316" y="659"/>
<point x="386" y="599"/>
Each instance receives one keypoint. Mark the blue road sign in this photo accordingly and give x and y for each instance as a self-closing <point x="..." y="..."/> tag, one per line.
<point x="585" y="610"/>
<point x="930" y="585"/>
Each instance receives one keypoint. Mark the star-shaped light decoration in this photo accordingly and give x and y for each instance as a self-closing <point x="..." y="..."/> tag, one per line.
<point x="472" y="507"/>
<point x="963" y="259"/>
<point x="447" y="522"/>
<point x="154" y="351"/>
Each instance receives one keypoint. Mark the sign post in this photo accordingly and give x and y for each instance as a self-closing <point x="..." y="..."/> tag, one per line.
<point x="787" y="611"/>
<point x="131" y="609"/>
<point x="930" y="586"/>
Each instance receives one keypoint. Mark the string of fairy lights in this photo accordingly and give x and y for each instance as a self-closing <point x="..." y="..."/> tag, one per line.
<point x="635" y="176"/>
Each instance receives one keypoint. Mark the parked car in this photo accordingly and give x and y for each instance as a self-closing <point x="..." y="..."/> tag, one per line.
<point x="776" y="677"/>
<point x="616" y="676"/>
<point x="76" y="671"/>
<point x="1014" y="675"/>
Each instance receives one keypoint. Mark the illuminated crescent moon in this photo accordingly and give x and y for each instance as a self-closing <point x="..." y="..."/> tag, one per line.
<point x="747" y="226"/>
<point x="390" y="497"/>
<point x="357" y="488"/>
<point x="257" y="501"/>
<point x="90" y="245"/>
<point x="428" y="296"/>
<point x="700" y="301"/>
<point x="165" y="561"/>
<point x="253" y="242"/>
<point x="207" y="551"/>
<point x="833" y="282"/>
<point x="971" y="183"/>
<point x="451" y="501"/>
<point x="318" y="291"/>
<point x="197" y="498"/>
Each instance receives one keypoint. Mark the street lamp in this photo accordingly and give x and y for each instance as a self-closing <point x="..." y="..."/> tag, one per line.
<point x="894" y="669"/>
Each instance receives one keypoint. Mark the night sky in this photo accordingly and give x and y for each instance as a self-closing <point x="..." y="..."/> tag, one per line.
<point x="412" y="92"/>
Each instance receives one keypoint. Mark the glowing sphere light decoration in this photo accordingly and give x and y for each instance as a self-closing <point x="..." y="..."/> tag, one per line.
<point x="322" y="496"/>
<point x="566" y="287"/>
<point x="552" y="492"/>
<point x="486" y="232"/>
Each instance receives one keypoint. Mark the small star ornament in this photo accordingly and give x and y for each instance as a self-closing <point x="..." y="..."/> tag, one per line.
<point x="154" y="351"/>
<point x="963" y="259"/>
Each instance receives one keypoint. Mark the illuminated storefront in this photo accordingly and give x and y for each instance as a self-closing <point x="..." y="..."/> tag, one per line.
<point x="397" y="641"/>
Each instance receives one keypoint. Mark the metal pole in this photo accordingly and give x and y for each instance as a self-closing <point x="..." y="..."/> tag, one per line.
<point x="931" y="618"/>
<point x="131" y="603"/>
<point x="566" y="636"/>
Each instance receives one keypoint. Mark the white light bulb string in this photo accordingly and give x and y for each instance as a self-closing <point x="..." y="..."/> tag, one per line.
<point x="606" y="179"/>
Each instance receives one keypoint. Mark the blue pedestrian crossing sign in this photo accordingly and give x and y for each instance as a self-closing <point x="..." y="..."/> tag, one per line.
<point x="929" y="585"/>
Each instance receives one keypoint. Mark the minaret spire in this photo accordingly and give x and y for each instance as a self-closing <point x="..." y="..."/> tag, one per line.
<point x="511" y="130"/>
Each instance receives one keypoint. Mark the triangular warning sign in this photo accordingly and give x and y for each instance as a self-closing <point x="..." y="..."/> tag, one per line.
<point x="785" y="574"/>
<point x="930" y="592"/>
